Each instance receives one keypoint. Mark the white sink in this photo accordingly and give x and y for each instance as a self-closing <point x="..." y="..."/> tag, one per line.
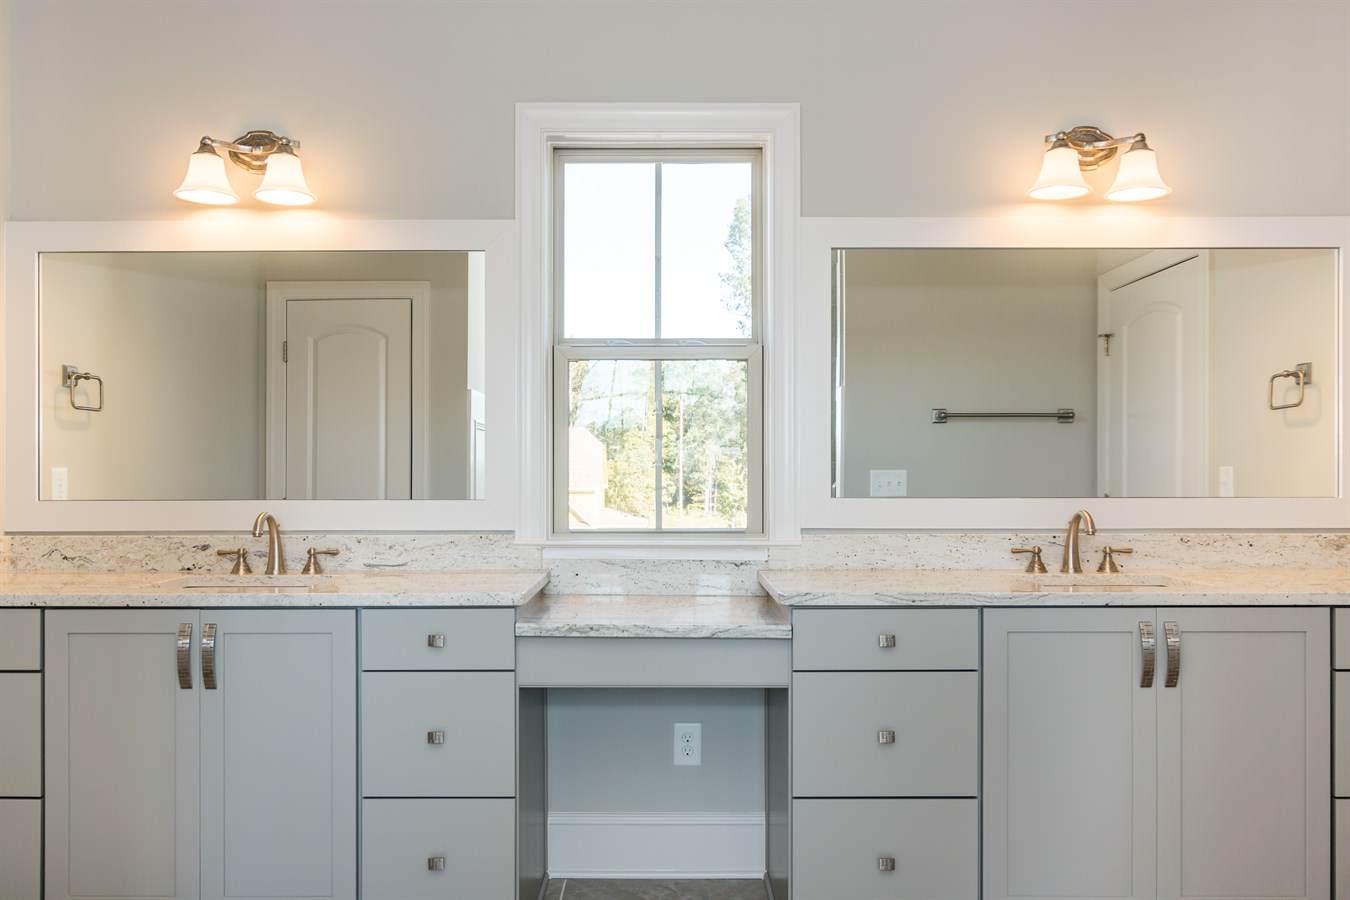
<point x="1093" y="582"/>
<point x="253" y="583"/>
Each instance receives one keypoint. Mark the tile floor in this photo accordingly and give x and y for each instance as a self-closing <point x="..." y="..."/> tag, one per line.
<point x="632" y="889"/>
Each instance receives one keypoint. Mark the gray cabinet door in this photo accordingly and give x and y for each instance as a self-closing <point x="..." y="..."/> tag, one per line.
<point x="279" y="755"/>
<point x="1244" y="763"/>
<point x="1069" y="755"/>
<point x="122" y="757"/>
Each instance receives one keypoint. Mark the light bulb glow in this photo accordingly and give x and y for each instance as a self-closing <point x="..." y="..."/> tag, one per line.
<point x="1138" y="177"/>
<point x="206" y="182"/>
<point x="283" y="182"/>
<point x="1060" y="178"/>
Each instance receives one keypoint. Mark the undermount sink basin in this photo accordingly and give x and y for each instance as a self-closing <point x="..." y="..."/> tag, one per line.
<point x="1093" y="582"/>
<point x="290" y="583"/>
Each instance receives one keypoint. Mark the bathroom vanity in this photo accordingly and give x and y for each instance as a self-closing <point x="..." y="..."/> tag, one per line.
<point x="928" y="734"/>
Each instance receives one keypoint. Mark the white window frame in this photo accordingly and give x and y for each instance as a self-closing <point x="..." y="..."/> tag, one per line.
<point x="658" y="349"/>
<point x="1050" y="228"/>
<point x="240" y="230"/>
<point x="773" y="128"/>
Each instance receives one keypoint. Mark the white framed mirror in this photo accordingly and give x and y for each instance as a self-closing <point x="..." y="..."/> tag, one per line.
<point x="346" y="376"/>
<point x="973" y="378"/>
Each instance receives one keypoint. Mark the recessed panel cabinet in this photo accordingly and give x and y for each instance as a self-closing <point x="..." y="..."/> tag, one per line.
<point x="200" y="754"/>
<point x="1174" y="753"/>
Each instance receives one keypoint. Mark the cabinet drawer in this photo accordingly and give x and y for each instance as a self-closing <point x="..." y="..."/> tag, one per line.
<point x="1341" y="737"/>
<point x="838" y="717"/>
<point x="20" y="640"/>
<point x="475" y="839"/>
<point x="408" y="639"/>
<point x="1340" y="619"/>
<point x="476" y="712"/>
<point x="837" y="846"/>
<point x="20" y="735"/>
<point x="20" y="848"/>
<point x="855" y="639"/>
<point x="1342" y="850"/>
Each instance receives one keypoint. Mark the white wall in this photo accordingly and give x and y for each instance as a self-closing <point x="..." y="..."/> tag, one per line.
<point x="971" y="330"/>
<point x="405" y="107"/>
<point x="179" y="342"/>
<point x="1271" y="310"/>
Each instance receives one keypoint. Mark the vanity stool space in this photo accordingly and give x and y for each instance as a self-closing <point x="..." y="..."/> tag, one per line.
<point x="20" y="754"/>
<point x="885" y="753"/>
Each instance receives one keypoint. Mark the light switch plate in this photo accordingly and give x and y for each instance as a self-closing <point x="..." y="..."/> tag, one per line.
<point x="890" y="483"/>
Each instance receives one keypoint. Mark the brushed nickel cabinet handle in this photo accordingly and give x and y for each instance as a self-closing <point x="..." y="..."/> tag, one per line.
<point x="885" y="863"/>
<point x="886" y="736"/>
<point x="1148" y="645"/>
<point x="886" y="641"/>
<point x="436" y="737"/>
<point x="436" y="641"/>
<point x="435" y="863"/>
<point x="185" y="656"/>
<point x="209" y="656"/>
<point x="1172" y="633"/>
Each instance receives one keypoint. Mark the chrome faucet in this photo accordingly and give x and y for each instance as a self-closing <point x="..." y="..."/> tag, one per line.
<point x="276" y="561"/>
<point x="1073" y="559"/>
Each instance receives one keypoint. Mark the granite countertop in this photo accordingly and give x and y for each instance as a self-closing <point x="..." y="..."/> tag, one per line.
<point x="340" y="589"/>
<point x="921" y="587"/>
<point x="652" y="617"/>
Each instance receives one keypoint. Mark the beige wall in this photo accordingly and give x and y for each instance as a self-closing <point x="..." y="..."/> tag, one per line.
<point x="971" y="330"/>
<point x="178" y="340"/>
<point x="405" y="107"/>
<point x="1271" y="310"/>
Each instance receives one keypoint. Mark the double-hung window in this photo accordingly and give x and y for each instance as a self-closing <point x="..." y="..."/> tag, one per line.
<point x="657" y="377"/>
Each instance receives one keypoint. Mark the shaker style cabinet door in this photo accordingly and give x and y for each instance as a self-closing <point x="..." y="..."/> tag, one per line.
<point x="122" y="745"/>
<point x="1069" y="754"/>
<point x="278" y="696"/>
<point x="1244" y="768"/>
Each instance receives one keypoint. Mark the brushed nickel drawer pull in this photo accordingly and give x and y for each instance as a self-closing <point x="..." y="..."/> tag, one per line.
<point x="1148" y="645"/>
<point x="435" y="863"/>
<point x="1172" y="633"/>
<point x="885" y="863"/>
<point x="209" y="656"/>
<point x="436" y="737"/>
<point x="436" y="641"/>
<point x="886" y="641"/>
<point x="185" y="656"/>
<point x="886" y="736"/>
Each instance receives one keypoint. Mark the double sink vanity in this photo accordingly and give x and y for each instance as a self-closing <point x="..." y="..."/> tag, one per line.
<point x="929" y="734"/>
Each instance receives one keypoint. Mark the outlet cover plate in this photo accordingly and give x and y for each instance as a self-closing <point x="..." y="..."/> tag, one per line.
<point x="688" y="744"/>
<point x="889" y="482"/>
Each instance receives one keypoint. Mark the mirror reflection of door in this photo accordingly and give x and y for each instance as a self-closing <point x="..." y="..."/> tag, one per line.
<point x="347" y="404"/>
<point x="1153" y="438"/>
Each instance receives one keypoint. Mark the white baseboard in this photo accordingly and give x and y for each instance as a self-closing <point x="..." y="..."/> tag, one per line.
<point x="618" y="845"/>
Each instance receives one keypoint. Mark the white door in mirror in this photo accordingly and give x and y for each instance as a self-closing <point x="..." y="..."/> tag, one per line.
<point x="890" y="482"/>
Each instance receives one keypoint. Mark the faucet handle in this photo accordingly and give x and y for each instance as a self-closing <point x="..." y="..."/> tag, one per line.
<point x="240" y="560"/>
<point x="1108" y="563"/>
<point x="1035" y="565"/>
<point x="312" y="566"/>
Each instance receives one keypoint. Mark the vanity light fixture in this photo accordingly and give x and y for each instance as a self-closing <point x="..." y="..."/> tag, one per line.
<point x="1087" y="148"/>
<point x="260" y="152"/>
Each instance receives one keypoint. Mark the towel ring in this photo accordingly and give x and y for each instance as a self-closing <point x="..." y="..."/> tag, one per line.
<point x="71" y="376"/>
<point x="1302" y="375"/>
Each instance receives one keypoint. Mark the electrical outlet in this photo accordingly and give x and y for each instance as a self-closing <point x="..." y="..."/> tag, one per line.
<point x="688" y="744"/>
<point x="60" y="483"/>
<point x="890" y="482"/>
<point x="1226" y="486"/>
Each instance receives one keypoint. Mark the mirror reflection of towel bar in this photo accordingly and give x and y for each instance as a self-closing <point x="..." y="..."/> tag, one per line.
<point x="71" y="376"/>
<point x="1062" y="416"/>
<point x="1302" y="375"/>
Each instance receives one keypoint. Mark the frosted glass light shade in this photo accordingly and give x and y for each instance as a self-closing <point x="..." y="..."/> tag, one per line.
<point x="1138" y="177"/>
<point x="284" y="182"/>
<point x="1060" y="177"/>
<point x="205" y="181"/>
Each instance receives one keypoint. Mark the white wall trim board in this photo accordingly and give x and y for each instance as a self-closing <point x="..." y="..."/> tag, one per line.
<point x="1043" y="227"/>
<point x="775" y="127"/>
<point x="217" y="230"/>
<point x="694" y="845"/>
